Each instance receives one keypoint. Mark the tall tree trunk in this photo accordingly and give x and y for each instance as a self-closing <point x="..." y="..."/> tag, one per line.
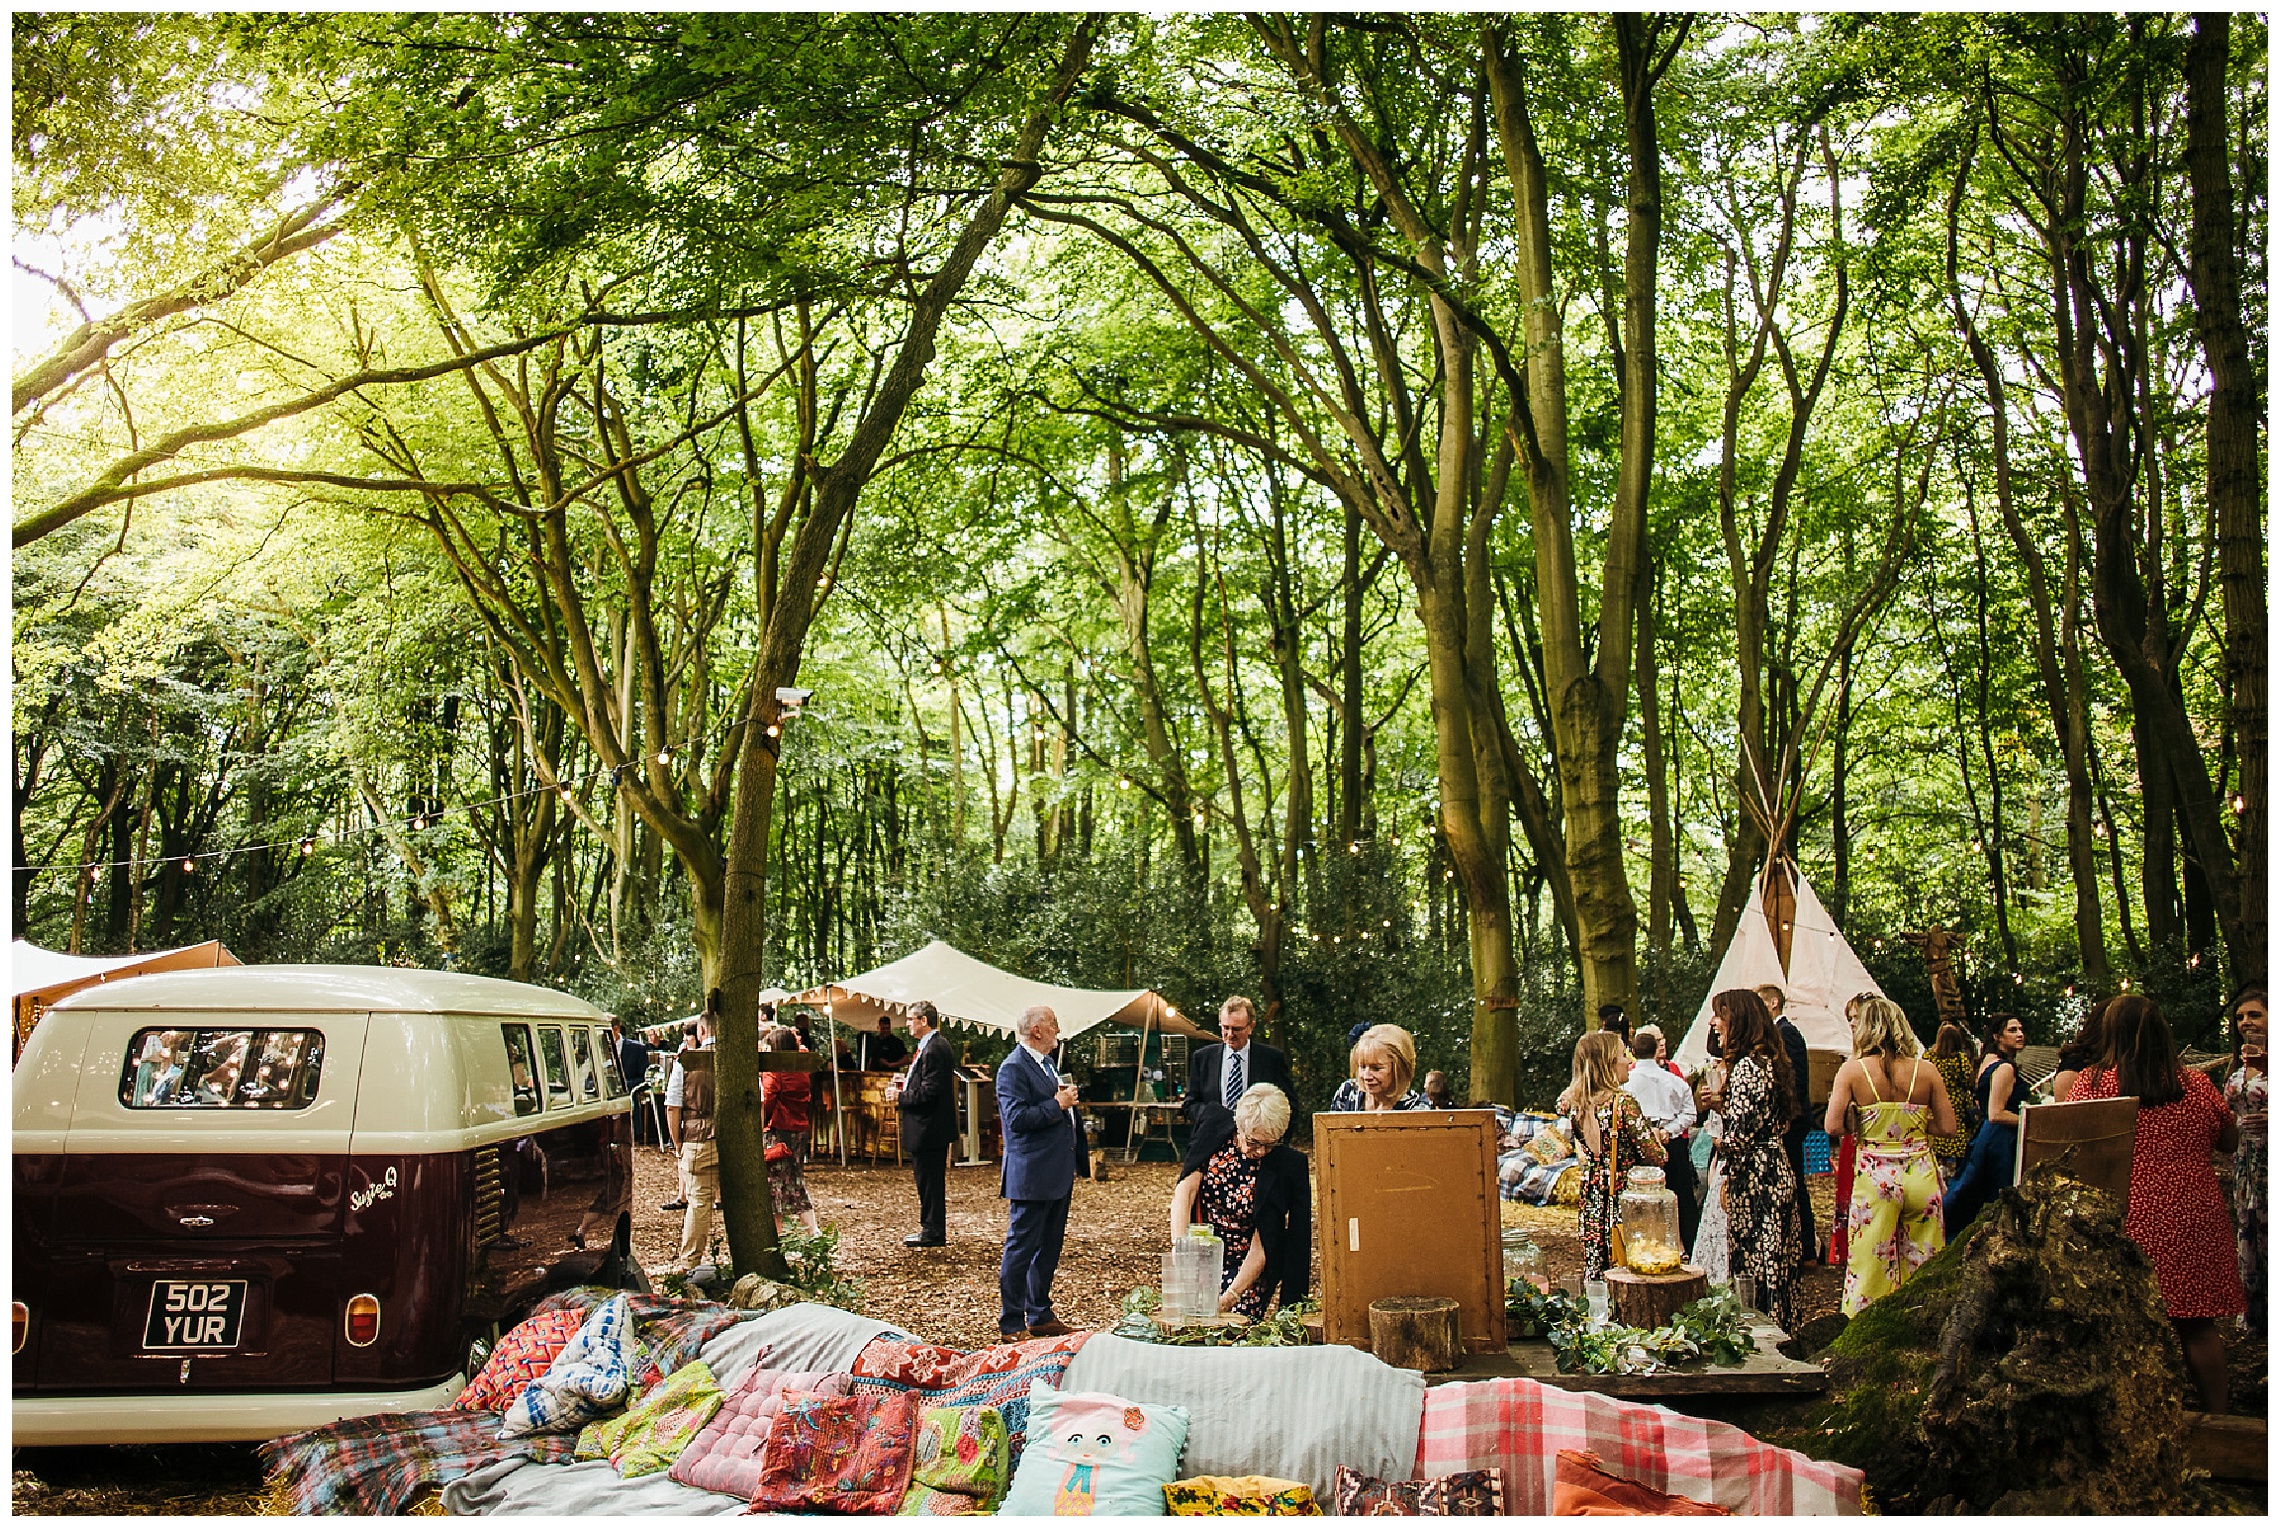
<point x="1662" y="848"/>
<point x="2235" y="481"/>
<point x="2054" y="642"/>
<point x="739" y="953"/>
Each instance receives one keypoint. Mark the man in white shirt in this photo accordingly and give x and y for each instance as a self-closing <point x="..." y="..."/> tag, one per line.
<point x="1218" y="1074"/>
<point x="1668" y="1104"/>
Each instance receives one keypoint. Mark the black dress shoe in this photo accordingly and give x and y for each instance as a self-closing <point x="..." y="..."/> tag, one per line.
<point x="921" y="1239"/>
<point x="674" y="1204"/>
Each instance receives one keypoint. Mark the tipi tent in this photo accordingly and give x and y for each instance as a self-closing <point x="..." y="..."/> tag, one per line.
<point x="1820" y="976"/>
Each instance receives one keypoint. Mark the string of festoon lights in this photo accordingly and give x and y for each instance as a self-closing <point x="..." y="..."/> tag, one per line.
<point x="566" y="787"/>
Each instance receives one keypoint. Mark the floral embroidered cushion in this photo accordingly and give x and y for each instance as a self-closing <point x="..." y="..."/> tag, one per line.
<point x="1239" y="1496"/>
<point x="848" y="1454"/>
<point x="654" y="1430"/>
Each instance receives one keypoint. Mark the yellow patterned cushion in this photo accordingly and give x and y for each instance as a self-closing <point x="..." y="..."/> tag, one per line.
<point x="1239" y="1496"/>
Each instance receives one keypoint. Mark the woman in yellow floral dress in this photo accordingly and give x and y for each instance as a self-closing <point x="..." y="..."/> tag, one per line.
<point x="1895" y="1220"/>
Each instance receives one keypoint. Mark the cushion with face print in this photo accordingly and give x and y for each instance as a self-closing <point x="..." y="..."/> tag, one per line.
<point x="1094" y="1455"/>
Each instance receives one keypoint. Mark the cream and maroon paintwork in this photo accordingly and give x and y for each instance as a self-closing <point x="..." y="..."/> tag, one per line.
<point x="409" y="1177"/>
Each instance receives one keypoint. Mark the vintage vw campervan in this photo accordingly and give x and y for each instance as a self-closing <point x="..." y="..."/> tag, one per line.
<point x="255" y="1199"/>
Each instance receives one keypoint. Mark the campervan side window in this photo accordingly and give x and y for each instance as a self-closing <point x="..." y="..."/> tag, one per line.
<point x="222" y="1069"/>
<point x="582" y="1065"/>
<point x="520" y="1067"/>
<point x="613" y="1084"/>
<point x="557" y="1069"/>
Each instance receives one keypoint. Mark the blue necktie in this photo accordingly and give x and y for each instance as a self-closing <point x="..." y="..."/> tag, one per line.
<point x="1234" y="1077"/>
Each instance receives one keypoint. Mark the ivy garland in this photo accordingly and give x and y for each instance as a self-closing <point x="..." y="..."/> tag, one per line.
<point x="1715" y="1327"/>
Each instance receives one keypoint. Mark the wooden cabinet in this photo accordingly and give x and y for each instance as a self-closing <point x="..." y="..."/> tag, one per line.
<point x="1406" y="1204"/>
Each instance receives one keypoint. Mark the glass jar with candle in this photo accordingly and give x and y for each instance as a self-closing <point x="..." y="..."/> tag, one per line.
<point x="1523" y="1262"/>
<point x="1651" y="1242"/>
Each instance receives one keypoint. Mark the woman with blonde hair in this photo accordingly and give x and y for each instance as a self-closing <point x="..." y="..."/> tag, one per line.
<point x="1612" y="1137"/>
<point x="1894" y="1223"/>
<point x="1384" y="1059"/>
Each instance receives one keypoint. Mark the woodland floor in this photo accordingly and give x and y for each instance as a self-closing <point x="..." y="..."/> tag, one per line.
<point x="1117" y="1232"/>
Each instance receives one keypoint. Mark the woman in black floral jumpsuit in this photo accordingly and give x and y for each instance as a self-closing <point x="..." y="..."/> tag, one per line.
<point x="1761" y="1207"/>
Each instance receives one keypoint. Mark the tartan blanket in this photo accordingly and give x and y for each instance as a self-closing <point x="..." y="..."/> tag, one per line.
<point x="379" y="1465"/>
<point x="997" y="1376"/>
<point x="1520" y="1426"/>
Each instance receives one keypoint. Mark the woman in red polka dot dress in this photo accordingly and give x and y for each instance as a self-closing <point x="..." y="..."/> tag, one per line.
<point x="2177" y="1214"/>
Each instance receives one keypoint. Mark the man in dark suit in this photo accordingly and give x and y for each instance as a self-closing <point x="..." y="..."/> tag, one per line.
<point x="1793" y="1143"/>
<point x="1044" y="1153"/>
<point x="929" y="1108"/>
<point x="1218" y="1073"/>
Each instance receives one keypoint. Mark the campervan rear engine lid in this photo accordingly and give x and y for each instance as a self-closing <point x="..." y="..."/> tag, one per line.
<point x="333" y="989"/>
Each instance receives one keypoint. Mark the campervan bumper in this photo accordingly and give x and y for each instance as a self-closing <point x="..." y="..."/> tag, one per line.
<point x="207" y="1417"/>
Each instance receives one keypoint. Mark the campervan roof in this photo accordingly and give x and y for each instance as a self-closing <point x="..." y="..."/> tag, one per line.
<point x="333" y="989"/>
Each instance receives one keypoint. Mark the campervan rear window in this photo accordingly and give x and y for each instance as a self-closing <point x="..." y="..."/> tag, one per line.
<point x="520" y="1067"/>
<point x="222" y="1069"/>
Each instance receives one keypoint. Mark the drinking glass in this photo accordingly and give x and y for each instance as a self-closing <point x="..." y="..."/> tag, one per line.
<point x="1595" y="1294"/>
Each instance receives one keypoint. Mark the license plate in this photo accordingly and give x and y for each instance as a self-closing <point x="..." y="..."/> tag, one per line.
<point x="194" y="1315"/>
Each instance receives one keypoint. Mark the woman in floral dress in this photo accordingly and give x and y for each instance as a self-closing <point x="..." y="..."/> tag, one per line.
<point x="2246" y="1092"/>
<point x="1761" y="1191"/>
<point x="1612" y="1137"/>
<point x="1253" y="1192"/>
<point x="1894" y="1216"/>
<point x="2176" y="1213"/>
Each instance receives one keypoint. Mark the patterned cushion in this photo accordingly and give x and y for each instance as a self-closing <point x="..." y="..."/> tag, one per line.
<point x="522" y="1356"/>
<point x="654" y="1430"/>
<point x="725" y="1456"/>
<point x="1474" y="1493"/>
<point x="962" y="1449"/>
<point x="587" y="1379"/>
<point x="1094" y="1455"/>
<point x="848" y="1454"/>
<point x="925" y="1501"/>
<point x="1239" y="1496"/>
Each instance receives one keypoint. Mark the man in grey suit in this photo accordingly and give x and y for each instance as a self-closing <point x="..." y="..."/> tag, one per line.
<point x="1044" y="1153"/>
<point x="929" y="1110"/>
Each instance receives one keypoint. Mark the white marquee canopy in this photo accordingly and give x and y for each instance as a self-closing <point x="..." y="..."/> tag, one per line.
<point x="980" y="996"/>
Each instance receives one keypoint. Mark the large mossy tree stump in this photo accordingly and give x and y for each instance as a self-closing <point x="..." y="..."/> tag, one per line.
<point x="1650" y="1299"/>
<point x="2029" y="1368"/>
<point x="1416" y="1332"/>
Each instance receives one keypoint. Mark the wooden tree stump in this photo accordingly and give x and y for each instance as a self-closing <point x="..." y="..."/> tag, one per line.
<point x="1650" y="1300"/>
<point x="1416" y="1332"/>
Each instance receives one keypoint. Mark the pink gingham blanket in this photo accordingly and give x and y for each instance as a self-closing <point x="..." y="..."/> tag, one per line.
<point x="1520" y="1426"/>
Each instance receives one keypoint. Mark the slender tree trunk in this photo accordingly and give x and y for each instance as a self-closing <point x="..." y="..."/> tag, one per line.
<point x="1662" y="848"/>
<point x="2235" y="479"/>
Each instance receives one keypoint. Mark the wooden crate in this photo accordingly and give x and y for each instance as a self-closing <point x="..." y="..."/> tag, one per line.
<point x="1406" y="1204"/>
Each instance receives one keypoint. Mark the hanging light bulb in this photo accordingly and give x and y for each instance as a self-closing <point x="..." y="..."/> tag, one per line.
<point x="189" y="866"/>
<point x="308" y="846"/>
<point x="664" y="758"/>
<point x="774" y="730"/>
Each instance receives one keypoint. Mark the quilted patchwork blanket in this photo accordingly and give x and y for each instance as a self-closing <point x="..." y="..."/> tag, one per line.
<point x="1521" y="1426"/>
<point x="996" y="1376"/>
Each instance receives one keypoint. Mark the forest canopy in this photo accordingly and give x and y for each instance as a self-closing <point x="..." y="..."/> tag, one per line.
<point x="1396" y="515"/>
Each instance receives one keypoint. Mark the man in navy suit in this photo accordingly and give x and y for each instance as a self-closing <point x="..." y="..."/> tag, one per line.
<point x="1044" y="1152"/>
<point x="929" y="1110"/>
